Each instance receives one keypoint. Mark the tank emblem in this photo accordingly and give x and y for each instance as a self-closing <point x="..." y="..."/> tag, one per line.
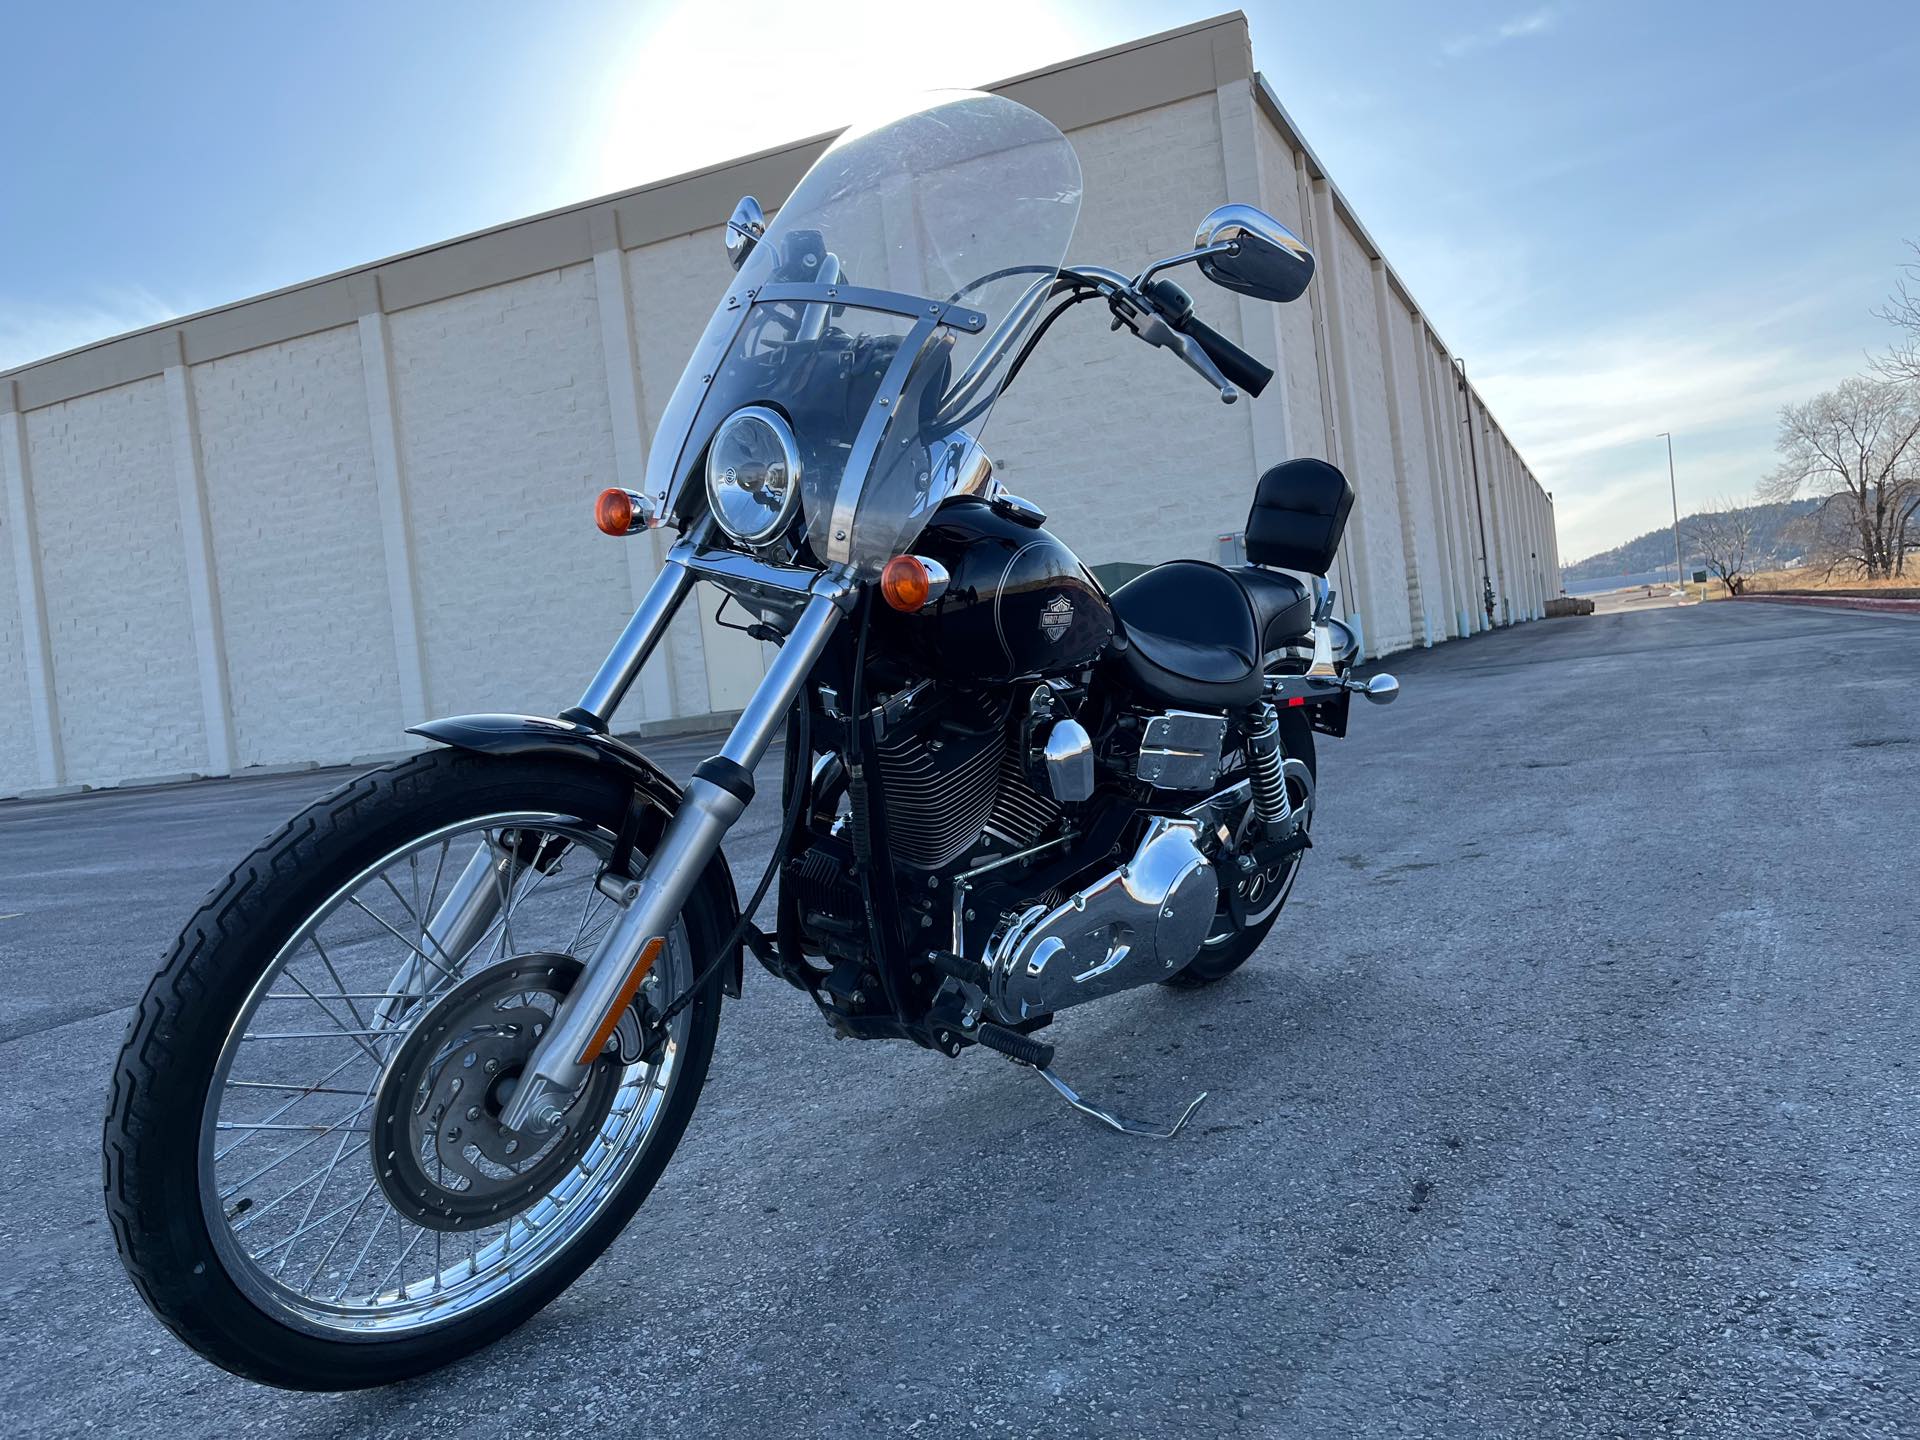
<point x="1055" y="616"/>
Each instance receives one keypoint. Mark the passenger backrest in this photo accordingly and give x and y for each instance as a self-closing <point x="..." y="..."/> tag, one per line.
<point x="1299" y="513"/>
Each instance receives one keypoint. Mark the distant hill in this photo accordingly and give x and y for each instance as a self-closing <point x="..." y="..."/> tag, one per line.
<point x="1773" y="541"/>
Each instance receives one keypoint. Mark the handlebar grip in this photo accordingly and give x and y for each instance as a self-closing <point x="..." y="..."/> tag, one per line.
<point x="1236" y="364"/>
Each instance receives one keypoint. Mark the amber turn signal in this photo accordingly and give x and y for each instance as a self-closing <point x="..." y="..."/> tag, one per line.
<point x="905" y="583"/>
<point x="619" y="512"/>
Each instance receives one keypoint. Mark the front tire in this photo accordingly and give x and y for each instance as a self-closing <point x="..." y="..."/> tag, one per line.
<point x="192" y="1224"/>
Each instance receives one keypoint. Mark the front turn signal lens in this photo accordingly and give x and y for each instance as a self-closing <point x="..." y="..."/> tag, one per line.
<point x="905" y="583"/>
<point x="619" y="512"/>
<point x="909" y="583"/>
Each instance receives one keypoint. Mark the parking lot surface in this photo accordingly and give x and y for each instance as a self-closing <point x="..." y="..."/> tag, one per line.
<point x="1574" y="1094"/>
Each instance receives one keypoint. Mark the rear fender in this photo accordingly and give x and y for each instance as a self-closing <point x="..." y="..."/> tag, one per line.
<point x="537" y="735"/>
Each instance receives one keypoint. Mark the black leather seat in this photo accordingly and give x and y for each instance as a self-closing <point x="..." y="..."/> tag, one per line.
<point x="1193" y="634"/>
<point x="1282" y="608"/>
<point x="1189" y="636"/>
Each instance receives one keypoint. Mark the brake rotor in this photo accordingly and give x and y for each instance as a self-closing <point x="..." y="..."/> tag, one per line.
<point x="440" y="1153"/>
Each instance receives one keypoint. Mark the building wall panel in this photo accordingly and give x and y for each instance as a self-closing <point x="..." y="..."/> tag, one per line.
<point x="505" y="439"/>
<point x="1370" y="468"/>
<point x="297" y="551"/>
<point x="108" y="516"/>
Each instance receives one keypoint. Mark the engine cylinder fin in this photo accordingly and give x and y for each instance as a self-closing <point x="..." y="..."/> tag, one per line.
<point x="1021" y="816"/>
<point x="939" y="794"/>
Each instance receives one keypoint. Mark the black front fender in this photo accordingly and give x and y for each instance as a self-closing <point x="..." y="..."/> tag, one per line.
<point x="537" y="735"/>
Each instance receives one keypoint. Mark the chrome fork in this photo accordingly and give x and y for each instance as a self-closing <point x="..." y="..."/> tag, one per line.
<point x="716" y="797"/>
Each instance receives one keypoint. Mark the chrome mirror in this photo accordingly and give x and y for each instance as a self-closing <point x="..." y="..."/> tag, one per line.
<point x="744" y="228"/>
<point x="1251" y="252"/>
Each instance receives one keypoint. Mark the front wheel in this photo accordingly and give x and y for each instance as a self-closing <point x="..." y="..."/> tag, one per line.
<point x="304" y="1168"/>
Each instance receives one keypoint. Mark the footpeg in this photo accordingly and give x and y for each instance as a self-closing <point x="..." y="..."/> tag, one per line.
<point x="1021" y="1049"/>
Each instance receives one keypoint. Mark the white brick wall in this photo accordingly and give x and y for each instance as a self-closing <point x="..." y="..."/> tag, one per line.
<point x="1426" y="589"/>
<point x="1303" y="375"/>
<point x="501" y="399"/>
<point x="504" y="431"/>
<point x="296" y="526"/>
<point x="109" y="530"/>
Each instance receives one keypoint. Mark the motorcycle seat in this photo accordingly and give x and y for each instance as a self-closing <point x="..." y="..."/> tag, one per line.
<point x="1282" y="608"/>
<point x="1194" y="634"/>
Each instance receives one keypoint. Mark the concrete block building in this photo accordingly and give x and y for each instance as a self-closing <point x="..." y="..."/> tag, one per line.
<point x="278" y="532"/>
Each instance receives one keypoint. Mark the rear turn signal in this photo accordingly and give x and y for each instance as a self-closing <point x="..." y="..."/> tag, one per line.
<point x="908" y="583"/>
<point x="619" y="512"/>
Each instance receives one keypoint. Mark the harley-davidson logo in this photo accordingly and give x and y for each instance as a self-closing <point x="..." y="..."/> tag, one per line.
<point x="1055" y="616"/>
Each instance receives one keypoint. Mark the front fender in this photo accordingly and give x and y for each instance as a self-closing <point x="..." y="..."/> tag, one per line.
<point x="538" y="735"/>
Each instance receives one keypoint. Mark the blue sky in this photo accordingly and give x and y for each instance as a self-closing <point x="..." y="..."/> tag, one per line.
<point x="1628" y="217"/>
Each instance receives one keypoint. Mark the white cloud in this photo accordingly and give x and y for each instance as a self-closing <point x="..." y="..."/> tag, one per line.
<point x="1519" y="27"/>
<point x="1586" y="409"/>
<point x="32" y="330"/>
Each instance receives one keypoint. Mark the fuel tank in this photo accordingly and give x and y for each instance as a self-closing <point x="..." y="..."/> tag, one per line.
<point x="1020" y="604"/>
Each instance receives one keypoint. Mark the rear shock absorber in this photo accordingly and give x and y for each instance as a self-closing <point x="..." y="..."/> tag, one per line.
<point x="1268" y="778"/>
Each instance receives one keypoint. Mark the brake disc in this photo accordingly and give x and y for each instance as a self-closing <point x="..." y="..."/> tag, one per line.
<point x="440" y="1153"/>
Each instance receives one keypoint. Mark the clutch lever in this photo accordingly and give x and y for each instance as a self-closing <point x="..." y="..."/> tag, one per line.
<point x="1136" y="314"/>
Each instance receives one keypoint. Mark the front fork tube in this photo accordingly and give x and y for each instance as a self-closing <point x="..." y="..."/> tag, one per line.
<point x="643" y="633"/>
<point x="719" y="792"/>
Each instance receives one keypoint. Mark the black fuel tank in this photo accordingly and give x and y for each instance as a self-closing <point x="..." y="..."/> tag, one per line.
<point x="1019" y="604"/>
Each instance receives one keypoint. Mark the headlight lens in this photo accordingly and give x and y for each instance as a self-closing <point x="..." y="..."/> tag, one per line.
<point x="753" y="475"/>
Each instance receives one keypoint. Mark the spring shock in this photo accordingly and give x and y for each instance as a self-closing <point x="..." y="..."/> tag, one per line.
<point x="1268" y="778"/>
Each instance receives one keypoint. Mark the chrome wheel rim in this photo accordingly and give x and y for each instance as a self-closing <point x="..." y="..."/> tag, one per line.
<point x="288" y="1189"/>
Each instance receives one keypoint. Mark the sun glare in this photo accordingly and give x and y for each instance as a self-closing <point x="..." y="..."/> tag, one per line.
<point x="702" y="83"/>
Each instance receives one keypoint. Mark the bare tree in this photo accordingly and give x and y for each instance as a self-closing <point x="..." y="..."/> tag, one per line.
<point x="1857" y="448"/>
<point x="1902" y="311"/>
<point x="1723" y="537"/>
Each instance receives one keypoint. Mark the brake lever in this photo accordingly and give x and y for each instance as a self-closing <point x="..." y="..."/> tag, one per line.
<point x="1151" y="326"/>
<point x="1189" y="350"/>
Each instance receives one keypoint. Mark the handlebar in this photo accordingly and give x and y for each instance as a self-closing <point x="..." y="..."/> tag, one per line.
<point x="1236" y="364"/>
<point x="1156" y="311"/>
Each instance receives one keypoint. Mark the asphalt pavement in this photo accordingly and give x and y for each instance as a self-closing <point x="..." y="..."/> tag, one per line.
<point x="1573" y="1095"/>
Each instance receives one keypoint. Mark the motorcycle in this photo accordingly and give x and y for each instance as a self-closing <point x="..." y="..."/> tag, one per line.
<point x="422" y="1055"/>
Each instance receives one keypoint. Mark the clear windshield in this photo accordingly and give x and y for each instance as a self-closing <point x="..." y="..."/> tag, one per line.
<point x="879" y="313"/>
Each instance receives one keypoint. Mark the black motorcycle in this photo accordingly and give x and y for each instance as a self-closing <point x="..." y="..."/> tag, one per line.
<point x="416" y="1062"/>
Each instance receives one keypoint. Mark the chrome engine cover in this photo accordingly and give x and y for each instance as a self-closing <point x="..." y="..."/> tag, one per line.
<point x="1133" y="925"/>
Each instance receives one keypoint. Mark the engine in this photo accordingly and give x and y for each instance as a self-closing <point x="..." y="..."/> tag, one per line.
<point x="958" y="784"/>
<point x="1140" y="922"/>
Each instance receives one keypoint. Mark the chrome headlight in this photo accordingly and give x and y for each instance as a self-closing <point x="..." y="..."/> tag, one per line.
<point x="753" y="475"/>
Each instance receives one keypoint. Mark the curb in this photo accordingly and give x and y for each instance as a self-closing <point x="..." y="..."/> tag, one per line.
<point x="1842" y="602"/>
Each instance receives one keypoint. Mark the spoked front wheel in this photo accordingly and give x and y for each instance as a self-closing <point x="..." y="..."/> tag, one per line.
<point x="304" y="1165"/>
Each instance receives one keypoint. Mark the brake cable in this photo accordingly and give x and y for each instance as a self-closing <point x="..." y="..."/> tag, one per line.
<point x="857" y="814"/>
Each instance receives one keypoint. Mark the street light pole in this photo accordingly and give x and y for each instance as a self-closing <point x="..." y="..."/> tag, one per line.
<point x="1679" y="565"/>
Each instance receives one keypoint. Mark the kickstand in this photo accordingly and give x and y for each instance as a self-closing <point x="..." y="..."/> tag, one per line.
<point x="1118" y="1122"/>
